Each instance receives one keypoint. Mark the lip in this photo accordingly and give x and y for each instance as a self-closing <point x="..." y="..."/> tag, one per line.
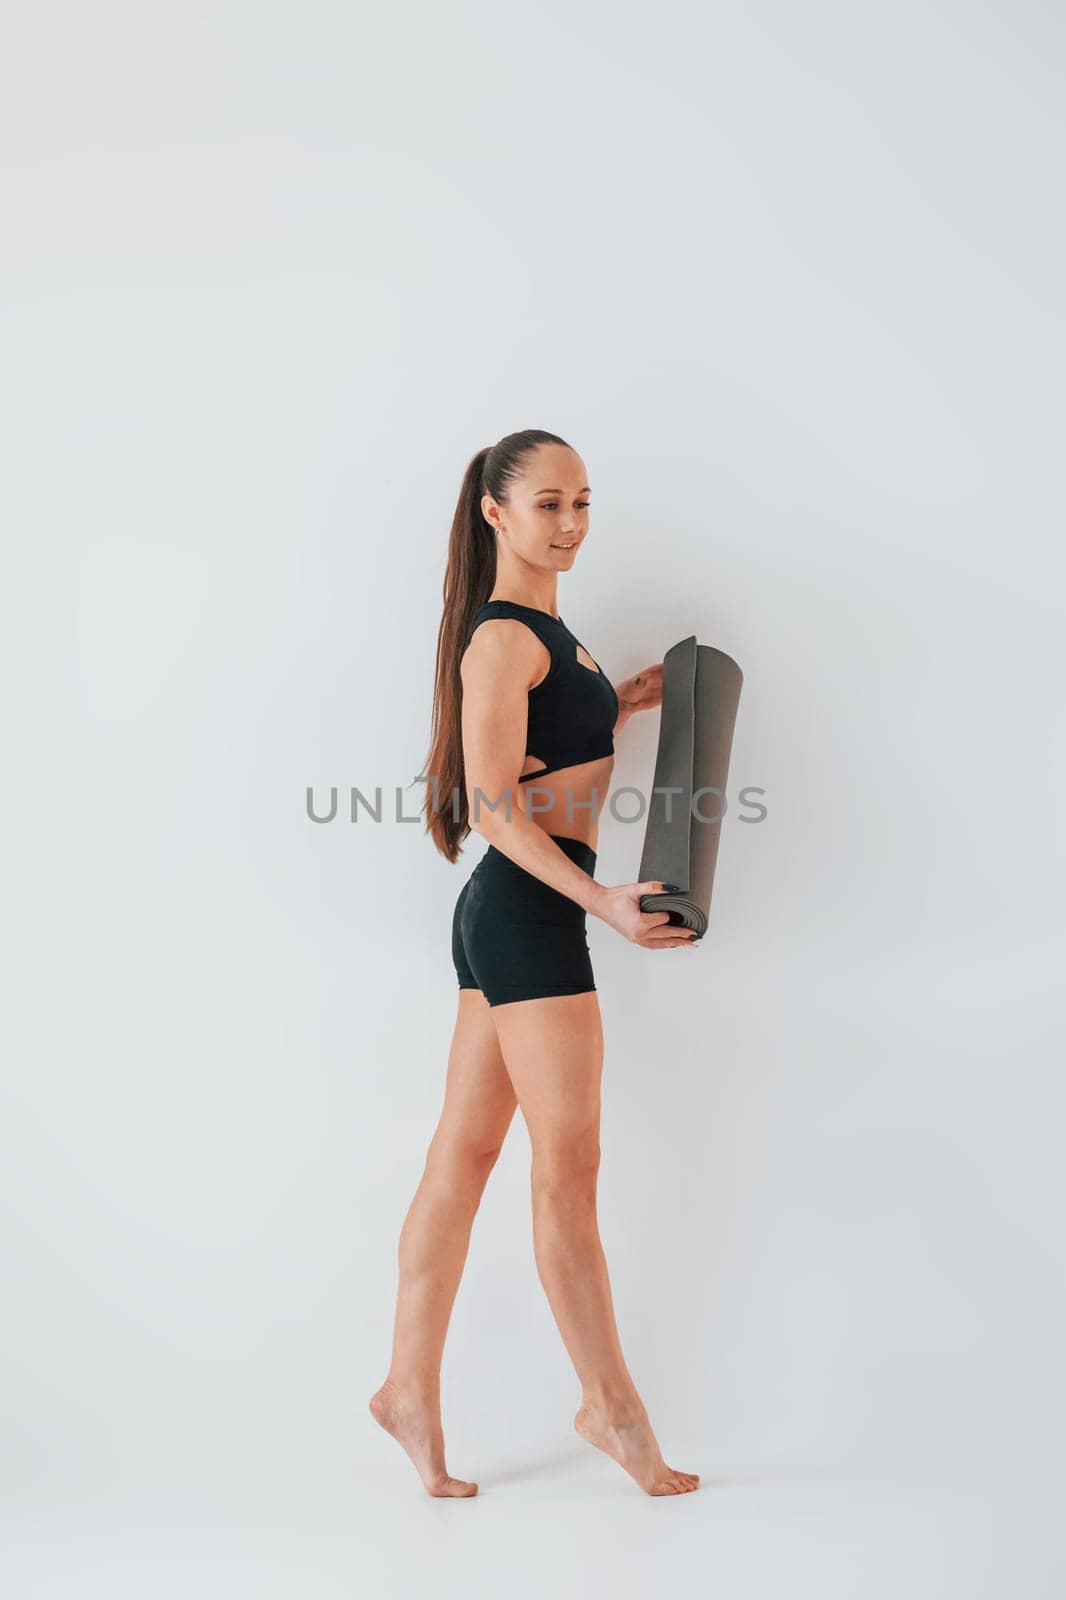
<point x="572" y="546"/>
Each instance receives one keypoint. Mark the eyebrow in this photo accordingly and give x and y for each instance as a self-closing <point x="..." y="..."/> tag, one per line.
<point x="585" y="490"/>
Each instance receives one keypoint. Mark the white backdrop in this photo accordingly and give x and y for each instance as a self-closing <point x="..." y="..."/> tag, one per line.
<point x="790" y="279"/>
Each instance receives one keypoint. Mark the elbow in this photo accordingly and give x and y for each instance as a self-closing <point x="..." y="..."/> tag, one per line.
<point x="489" y="816"/>
<point x="489" y="825"/>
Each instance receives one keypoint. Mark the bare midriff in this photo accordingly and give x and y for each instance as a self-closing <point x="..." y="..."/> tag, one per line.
<point x="568" y="802"/>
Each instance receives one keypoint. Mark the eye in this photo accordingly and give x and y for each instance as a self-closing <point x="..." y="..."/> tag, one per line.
<point x="550" y="505"/>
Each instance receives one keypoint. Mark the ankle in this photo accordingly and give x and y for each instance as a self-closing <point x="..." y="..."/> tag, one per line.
<point x="414" y="1390"/>
<point x="621" y="1407"/>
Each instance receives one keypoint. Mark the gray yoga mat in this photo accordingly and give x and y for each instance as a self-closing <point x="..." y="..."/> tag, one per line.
<point x="701" y="693"/>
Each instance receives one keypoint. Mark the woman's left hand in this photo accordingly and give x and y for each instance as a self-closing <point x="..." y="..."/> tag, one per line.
<point x="642" y="692"/>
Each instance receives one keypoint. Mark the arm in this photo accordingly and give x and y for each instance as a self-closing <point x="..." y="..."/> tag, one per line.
<point x="497" y="671"/>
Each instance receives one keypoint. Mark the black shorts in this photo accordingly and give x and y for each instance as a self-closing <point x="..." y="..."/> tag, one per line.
<point x="516" y="938"/>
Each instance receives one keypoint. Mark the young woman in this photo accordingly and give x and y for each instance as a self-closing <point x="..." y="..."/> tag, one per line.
<point x="518" y="699"/>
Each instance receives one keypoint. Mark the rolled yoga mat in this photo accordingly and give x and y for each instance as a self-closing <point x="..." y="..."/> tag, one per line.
<point x="701" y="693"/>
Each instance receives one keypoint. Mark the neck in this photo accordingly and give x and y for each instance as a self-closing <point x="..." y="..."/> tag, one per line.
<point x="526" y="589"/>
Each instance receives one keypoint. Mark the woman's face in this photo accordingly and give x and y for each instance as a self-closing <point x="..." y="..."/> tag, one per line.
<point x="546" y="519"/>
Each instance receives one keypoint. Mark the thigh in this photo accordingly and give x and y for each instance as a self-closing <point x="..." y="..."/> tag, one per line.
<point x="479" y="1097"/>
<point x="553" y="1050"/>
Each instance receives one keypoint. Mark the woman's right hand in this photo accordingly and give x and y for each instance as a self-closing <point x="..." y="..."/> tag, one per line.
<point x="619" y="907"/>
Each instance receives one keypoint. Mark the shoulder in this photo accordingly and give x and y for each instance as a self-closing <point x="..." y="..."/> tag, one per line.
<point x="501" y="647"/>
<point x="498" y="637"/>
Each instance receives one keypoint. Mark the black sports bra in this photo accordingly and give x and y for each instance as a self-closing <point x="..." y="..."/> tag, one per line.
<point x="573" y="709"/>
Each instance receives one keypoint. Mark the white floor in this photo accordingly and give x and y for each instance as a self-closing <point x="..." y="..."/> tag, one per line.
<point x="554" y="1520"/>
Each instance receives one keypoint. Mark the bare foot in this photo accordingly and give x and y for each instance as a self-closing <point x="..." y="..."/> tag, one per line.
<point x="416" y="1426"/>
<point x="627" y="1437"/>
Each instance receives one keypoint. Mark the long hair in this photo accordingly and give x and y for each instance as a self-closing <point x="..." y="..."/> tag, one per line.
<point x="468" y="581"/>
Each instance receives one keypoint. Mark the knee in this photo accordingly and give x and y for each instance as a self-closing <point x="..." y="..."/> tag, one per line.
<point x="565" y="1169"/>
<point x="462" y="1167"/>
